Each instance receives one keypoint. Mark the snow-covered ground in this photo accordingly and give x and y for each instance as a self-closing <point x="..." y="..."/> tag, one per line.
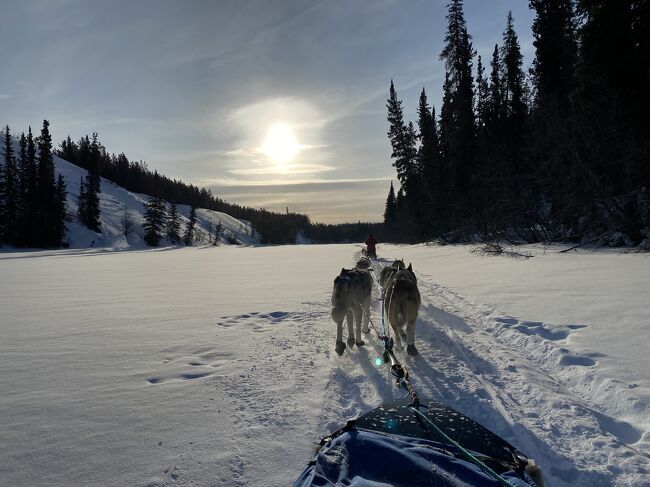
<point x="216" y="366"/>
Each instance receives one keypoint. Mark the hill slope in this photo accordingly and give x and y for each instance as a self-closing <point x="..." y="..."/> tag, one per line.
<point x="115" y="200"/>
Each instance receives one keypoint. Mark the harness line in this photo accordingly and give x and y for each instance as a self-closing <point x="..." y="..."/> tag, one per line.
<point x="401" y="373"/>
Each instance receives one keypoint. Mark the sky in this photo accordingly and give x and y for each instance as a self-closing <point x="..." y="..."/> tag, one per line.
<point x="195" y="87"/>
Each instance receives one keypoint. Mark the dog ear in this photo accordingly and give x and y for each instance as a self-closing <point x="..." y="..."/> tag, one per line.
<point x="410" y="267"/>
<point x="342" y="270"/>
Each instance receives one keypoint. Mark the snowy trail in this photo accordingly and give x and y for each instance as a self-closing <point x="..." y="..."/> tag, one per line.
<point x="467" y="361"/>
<point x="217" y="367"/>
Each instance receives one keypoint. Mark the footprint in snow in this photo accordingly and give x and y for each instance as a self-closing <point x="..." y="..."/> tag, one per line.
<point x="544" y="330"/>
<point x="258" y="321"/>
<point x="203" y="362"/>
<point x="568" y="359"/>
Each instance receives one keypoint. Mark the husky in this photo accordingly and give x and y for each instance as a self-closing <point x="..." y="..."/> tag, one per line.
<point x="364" y="263"/>
<point x="402" y="302"/>
<point x="351" y="299"/>
<point x="388" y="272"/>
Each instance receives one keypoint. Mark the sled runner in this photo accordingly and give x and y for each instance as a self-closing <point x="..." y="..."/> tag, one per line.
<point x="393" y="445"/>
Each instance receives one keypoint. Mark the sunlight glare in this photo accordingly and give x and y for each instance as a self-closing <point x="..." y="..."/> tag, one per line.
<point x="280" y="144"/>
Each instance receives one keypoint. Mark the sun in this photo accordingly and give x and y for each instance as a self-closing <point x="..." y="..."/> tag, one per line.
<point x="280" y="144"/>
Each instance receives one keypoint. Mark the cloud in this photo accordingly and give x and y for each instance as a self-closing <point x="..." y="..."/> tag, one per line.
<point x="231" y="182"/>
<point x="288" y="169"/>
<point x="259" y="150"/>
<point x="4" y="96"/>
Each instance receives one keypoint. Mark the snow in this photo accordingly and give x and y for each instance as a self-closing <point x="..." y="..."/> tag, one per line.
<point x="216" y="365"/>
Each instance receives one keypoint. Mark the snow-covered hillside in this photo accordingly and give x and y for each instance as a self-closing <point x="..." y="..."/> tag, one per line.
<point x="216" y="366"/>
<point x="114" y="200"/>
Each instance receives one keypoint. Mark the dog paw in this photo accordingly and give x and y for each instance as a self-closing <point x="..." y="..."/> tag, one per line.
<point x="411" y="350"/>
<point x="351" y="342"/>
<point x="340" y="348"/>
<point x="365" y="330"/>
<point x="360" y="343"/>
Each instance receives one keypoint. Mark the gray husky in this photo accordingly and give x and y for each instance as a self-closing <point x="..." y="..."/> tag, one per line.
<point x="351" y="300"/>
<point x="389" y="271"/>
<point x="402" y="302"/>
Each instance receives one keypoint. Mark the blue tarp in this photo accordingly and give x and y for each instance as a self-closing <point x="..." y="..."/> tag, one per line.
<point x="368" y="458"/>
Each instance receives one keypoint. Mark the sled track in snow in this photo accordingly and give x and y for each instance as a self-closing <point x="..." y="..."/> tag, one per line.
<point x="495" y="369"/>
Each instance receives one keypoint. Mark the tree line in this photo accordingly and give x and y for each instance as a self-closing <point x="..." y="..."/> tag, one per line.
<point x="33" y="208"/>
<point x="560" y="152"/>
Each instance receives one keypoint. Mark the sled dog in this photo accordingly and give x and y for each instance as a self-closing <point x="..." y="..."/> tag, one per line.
<point x="364" y="263"/>
<point x="351" y="299"/>
<point x="402" y="302"/>
<point x="388" y="272"/>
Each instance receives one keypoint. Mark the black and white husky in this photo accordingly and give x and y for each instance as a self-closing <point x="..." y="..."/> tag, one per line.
<point x="351" y="300"/>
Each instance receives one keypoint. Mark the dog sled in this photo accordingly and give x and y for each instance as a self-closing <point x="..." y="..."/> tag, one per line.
<point x="436" y="446"/>
<point x="410" y="442"/>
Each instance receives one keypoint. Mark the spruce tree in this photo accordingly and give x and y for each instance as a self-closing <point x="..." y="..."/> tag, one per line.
<point x="91" y="202"/>
<point x="3" y="235"/>
<point x="60" y="210"/>
<point x="23" y="196"/>
<point x="458" y="105"/>
<point x="154" y="221"/>
<point x="428" y="153"/>
<point x="553" y="75"/>
<point x="30" y="202"/>
<point x="446" y="124"/>
<point x="513" y="75"/>
<point x="514" y="104"/>
<point x="553" y="70"/>
<point x="188" y="236"/>
<point x="68" y="150"/>
<point x="482" y="93"/>
<point x="495" y="103"/>
<point x="173" y="224"/>
<point x="93" y="188"/>
<point x="9" y="194"/>
<point x="46" y="189"/>
<point x="401" y="139"/>
<point x="390" y="211"/>
<point x="82" y="204"/>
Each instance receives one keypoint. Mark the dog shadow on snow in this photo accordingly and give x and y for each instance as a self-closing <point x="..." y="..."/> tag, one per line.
<point x="447" y="382"/>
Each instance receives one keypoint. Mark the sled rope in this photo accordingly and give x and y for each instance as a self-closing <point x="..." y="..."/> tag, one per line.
<point x="382" y="293"/>
<point x="468" y="455"/>
<point x="402" y="375"/>
<point x="371" y="323"/>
